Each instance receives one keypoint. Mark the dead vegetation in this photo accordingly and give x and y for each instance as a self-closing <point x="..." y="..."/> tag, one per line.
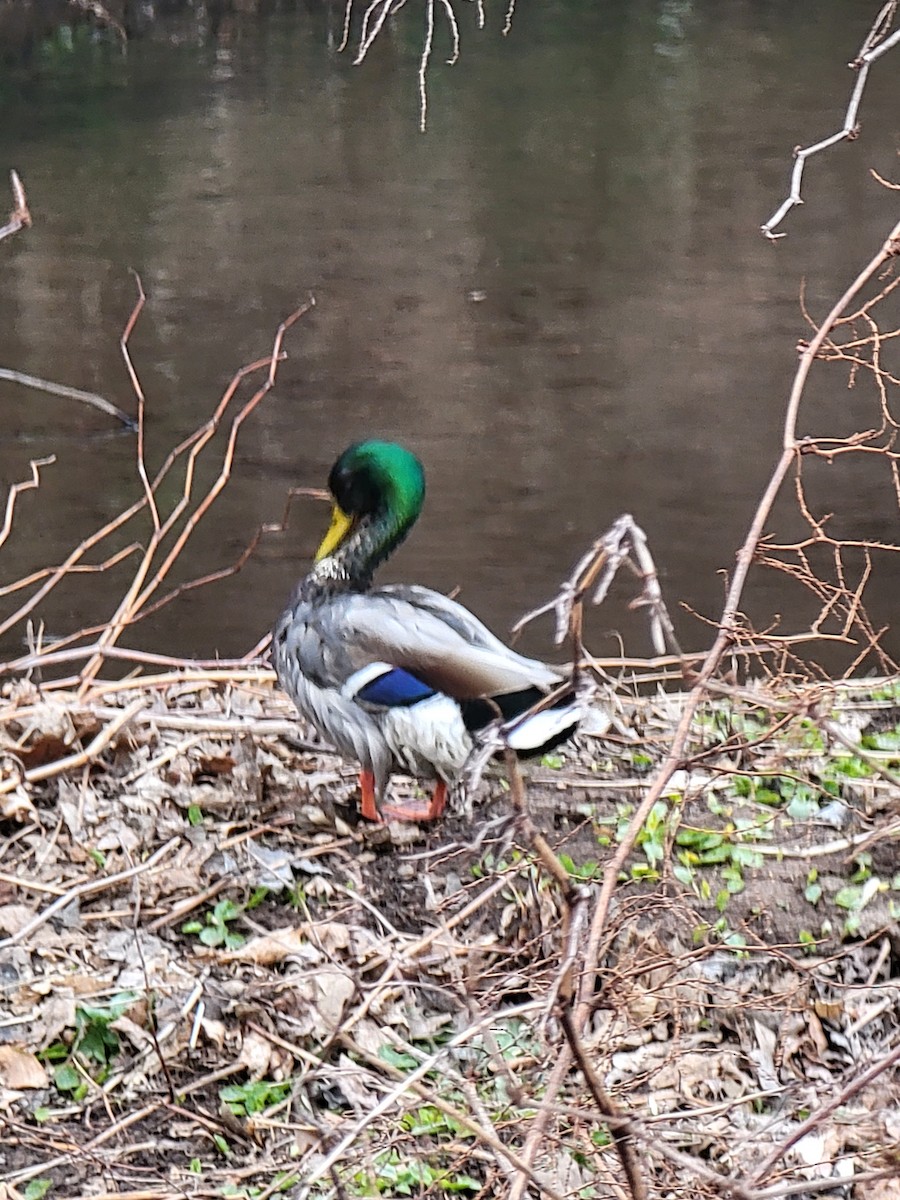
<point x="217" y="982"/>
<point x="665" y="965"/>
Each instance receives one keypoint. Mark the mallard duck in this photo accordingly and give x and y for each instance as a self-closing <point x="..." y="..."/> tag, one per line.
<point x="398" y="677"/>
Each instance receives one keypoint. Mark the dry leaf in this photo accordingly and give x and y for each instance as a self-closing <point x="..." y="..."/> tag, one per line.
<point x="275" y="947"/>
<point x="218" y="764"/>
<point x="16" y="806"/>
<point x="14" y="917"/>
<point x="20" y="1069"/>
<point x="879" y="1189"/>
<point x="333" y="990"/>
<point x="255" y="1055"/>
<point x="354" y="1082"/>
<point x="214" y="1031"/>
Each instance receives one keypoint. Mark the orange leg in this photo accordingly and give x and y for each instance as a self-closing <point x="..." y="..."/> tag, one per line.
<point x="367" y="806"/>
<point x="434" y="809"/>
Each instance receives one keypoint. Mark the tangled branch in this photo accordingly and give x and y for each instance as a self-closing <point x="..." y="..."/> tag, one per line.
<point x="169" y="532"/>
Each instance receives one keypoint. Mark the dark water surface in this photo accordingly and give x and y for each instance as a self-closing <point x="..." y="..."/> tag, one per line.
<point x="558" y="296"/>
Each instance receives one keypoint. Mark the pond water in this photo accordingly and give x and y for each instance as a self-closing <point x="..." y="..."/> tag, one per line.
<point x="558" y="295"/>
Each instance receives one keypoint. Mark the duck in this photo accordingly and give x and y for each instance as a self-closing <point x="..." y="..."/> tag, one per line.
<point x="397" y="677"/>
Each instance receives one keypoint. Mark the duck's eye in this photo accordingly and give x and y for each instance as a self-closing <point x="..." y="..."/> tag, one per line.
<point x="356" y="491"/>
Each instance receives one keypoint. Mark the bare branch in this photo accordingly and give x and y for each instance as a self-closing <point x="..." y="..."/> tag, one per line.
<point x="69" y="393"/>
<point x="26" y="486"/>
<point x="20" y="217"/>
<point x="874" y="45"/>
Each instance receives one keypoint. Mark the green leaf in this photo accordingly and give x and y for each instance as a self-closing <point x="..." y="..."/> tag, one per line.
<point x="460" y="1183"/>
<point x="255" y="1097"/>
<point x="853" y="768"/>
<point x="653" y="851"/>
<point x="395" y="1058"/>
<point x="698" y="839"/>
<point x="802" y="807"/>
<point x="284" y="1180"/>
<point x="746" y="856"/>
<point x="66" y="1078"/>
<point x="813" y="892"/>
<point x="644" y="871"/>
<point x="55" y="1052"/>
<point x="733" y="880"/>
<point x="848" y="897"/>
<point x="715" y="854"/>
<point x="886" y="739"/>
<point x="37" y="1189"/>
<point x="195" y="814"/>
<point x="226" y="910"/>
<point x="767" y="796"/>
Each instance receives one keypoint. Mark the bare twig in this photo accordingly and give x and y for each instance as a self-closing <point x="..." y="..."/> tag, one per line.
<point x="68" y="393"/>
<point x="815" y="1118"/>
<point x="20" y="217"/>
<point x="89" y="889"/>
<point x="875" y="44"/>
<point x="26" y="486"/>
<point x="374" y="17"/>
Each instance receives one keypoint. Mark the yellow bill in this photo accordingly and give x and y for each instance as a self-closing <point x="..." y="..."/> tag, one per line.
<point x="338" y="529"/>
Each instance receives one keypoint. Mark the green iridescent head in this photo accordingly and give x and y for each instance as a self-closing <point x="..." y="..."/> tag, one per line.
<point x="378" y="486"/>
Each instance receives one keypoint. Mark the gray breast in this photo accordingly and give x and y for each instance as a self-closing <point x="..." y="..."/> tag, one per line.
<point x="311" y="664"/>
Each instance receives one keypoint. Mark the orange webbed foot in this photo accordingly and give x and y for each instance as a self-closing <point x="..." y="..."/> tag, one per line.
<point x="431" y="812"/>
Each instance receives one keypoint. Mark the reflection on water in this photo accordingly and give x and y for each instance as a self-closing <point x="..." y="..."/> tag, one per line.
<point x="558" y="296"/>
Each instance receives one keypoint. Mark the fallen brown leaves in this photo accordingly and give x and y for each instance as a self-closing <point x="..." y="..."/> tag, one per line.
<point x="215" y="981"/>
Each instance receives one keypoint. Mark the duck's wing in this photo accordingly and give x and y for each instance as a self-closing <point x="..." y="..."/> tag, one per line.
<point x="429" y="637"/>
<point x="438" y="643"/>
<point x="457" y="617"/>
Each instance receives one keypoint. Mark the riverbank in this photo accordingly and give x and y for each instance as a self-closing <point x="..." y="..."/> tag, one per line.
<point x="219" y="981"/>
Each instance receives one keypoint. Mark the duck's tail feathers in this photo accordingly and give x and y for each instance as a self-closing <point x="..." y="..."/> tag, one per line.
<point x="525" y="731"/>
<point x="545" y="730"/>
<point x="542" y="731"/>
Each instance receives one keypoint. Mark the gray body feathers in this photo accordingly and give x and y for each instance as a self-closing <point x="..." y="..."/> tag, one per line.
<point x="327" y="635"/>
